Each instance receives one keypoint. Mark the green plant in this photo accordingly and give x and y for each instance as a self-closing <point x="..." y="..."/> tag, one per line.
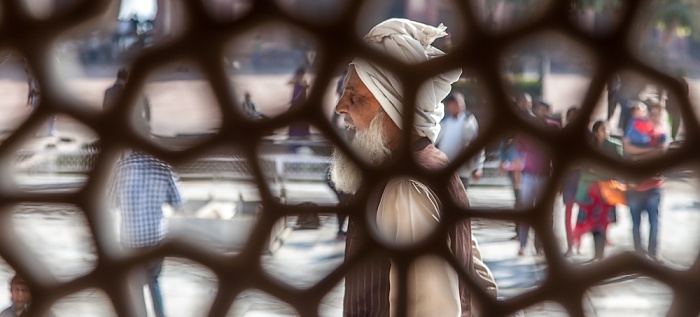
<point x="529" y="85"/>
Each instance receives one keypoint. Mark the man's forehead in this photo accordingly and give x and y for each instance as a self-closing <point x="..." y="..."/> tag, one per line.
<point x="353" y="82"/>
<point x="20" y="286"/>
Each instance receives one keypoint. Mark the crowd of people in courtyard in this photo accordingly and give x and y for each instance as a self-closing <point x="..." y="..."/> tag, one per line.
<point x="597" y="192"/>
<point x="592" y="196"/>
<point x="405" y="210"/>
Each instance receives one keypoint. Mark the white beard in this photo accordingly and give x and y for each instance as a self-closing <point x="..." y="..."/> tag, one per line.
<point x="370" y="146"/>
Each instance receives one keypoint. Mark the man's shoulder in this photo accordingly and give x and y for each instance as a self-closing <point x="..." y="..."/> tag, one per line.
<point x="139" y="160"/>
<point x="431" y="158"/>
<point x="7" y="312"/>
<point x="141" y="157"/>
<point x="470" y="118"/>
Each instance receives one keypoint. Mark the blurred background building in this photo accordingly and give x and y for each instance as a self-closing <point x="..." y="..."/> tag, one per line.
<point x="668" y="35"/>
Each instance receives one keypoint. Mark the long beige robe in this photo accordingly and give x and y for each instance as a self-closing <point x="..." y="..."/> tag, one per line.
<point x="407" y="213"/>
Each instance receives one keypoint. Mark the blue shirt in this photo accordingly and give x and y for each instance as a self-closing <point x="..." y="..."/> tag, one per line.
<point x="141" y="185"/>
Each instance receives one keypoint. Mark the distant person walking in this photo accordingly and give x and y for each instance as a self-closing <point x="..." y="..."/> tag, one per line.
<point x="300" y="86"/>
<point x="142" y="184"/>
<point x="536" y="171"/>
<point x="596" y="211"/>
<point x="337" y="120"/>
<point x="458" y="129"/>
<point x="249" y="108"/>
<point x="509" y="155"/>
<point x="645" y="196"/>
<point x="139" y="188"/>
<point x="571" y="181"/>
<point x="33" y="99"/>
<point x="142" y="108"/>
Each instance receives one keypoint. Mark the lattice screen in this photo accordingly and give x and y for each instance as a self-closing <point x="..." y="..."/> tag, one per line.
<point x="203" y="43"/>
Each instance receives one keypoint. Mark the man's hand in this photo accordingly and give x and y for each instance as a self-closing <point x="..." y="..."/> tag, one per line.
<point x="476" y="175"/>
<point x="502" y="169"/>
<point x="517" y="179"/>
<point x="652" y="153"/>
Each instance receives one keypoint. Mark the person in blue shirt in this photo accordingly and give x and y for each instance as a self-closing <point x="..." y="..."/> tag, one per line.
<point x="640" y="131"/>
<point x="140" y="186"/>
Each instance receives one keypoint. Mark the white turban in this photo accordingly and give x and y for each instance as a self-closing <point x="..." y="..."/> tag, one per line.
<point x="409" y="42"/>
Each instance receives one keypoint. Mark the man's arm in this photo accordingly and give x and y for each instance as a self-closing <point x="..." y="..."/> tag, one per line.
<point x="504" y="151"/>
<point x="110" y="97"/>
<point x="470" y="132"/>
<point x="483" y="273"/>
<point x="113" y="189"/>
<point x="146" y="108"/>
<point x="479" y="161"/>
<point x="175" y="197"/>
<point x="518" y="163"/>
<point x="630" y="149"/>
<point x="439" y="137"/>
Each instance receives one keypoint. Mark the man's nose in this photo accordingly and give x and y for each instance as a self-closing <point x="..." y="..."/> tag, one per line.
<point x="341" y="107"/>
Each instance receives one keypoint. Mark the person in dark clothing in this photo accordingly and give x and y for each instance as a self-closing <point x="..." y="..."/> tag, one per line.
<point x="673" y="106"/>
<point x="613" y="94"/>
<point x="300" y="86"/>
<point x="143" y="107"/>
<point x="631" y="85"/>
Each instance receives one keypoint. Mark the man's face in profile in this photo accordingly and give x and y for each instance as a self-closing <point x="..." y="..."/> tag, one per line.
<point x="366" y="122"/>
<point x="357" y="104"/>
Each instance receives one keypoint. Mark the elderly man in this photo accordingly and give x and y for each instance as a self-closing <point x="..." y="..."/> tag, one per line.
<point x="407" y="210"/>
